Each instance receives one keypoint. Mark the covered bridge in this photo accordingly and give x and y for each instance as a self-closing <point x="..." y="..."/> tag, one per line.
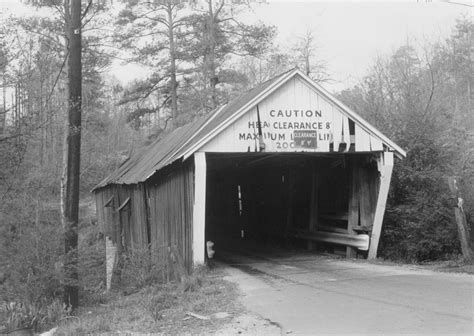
<point x="284" y="161"/>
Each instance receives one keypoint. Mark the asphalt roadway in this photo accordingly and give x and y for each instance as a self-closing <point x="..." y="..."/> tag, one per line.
<point x="316" y="295"/>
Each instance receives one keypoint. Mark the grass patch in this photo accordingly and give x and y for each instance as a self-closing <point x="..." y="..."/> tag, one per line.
<point x="160" y="308"/>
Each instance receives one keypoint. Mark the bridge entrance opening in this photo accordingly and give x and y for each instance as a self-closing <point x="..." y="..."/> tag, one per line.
<point x="263" y="201"/>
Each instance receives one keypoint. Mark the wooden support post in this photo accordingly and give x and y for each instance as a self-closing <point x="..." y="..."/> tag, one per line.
<point x="313" y="215"/>
<point x="115" y="251"/>
<point x="366" y="209"/>
<point x="110" y="256"/>
<point x="353" y="211"/>
<point x="385" y="169"/>
<point x="199" y="210"/>
<point x="461" y="222"/>
<point x="118" y="249"/>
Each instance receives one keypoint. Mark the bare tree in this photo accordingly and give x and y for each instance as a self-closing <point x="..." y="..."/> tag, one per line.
<point x="307" y="58"/>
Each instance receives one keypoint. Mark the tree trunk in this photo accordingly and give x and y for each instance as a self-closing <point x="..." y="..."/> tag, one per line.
<point x="62" y="189"/>
<point x="71" y="290"/>
<point x="17" y="109"/>
<point x="3" y="113"/>
<point x="461" y="222"/>
<point x="173" y="82"/>
<point x="211" y="58"/>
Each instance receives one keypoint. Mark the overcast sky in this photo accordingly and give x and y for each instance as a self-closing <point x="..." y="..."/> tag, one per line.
<point x="350" y="34"/>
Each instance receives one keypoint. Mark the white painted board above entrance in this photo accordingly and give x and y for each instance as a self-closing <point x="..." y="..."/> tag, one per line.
<point x="294" y="118"/>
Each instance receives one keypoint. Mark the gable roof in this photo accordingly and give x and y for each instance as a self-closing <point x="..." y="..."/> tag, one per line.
<point x="186" y="140"/>
<point x="168" y="149"/>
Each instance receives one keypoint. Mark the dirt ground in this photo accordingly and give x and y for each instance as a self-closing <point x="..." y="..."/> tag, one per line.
<point x="249" y="324"/>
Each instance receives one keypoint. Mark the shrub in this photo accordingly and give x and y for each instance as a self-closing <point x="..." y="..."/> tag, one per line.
<point x="419" y="221"/>
<point x="91" y="266"/>
<point x="31" y="258"/>
<point x="194" y="282"/>
<point x="33" y="315"/>
<point x="140" y="269"/>
<point x="31" y="261"/>
<point x="157" y="299"/>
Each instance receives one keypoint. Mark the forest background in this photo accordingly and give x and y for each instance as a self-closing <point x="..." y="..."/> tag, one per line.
<point x="199" y="55"/>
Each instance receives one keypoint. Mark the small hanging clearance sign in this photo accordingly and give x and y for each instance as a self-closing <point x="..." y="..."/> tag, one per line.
<point x="305" y="139"/>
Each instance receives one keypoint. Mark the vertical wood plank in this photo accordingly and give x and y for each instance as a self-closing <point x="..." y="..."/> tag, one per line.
<point x="362" y="140"/>
<point x="141" y="195"/>
<point x="365" y="206"/>
<point x="118" y="234"/>
<point x="374" y="186"/>
<point x="353" y="211"/>
<point x="346" y="137"/>
<point x="110" y="256"/>
<point x="189" y="214"/>
<point x="135" y="217"/>
<point x="116" y="220"/>
<point x="336" y="128"/>
<point x="100" y="209"/>
<point x="386" y="167"/>
<point x="326" y="108"/>
<point x="375" y="144"/>
<point x="199" y="210"/>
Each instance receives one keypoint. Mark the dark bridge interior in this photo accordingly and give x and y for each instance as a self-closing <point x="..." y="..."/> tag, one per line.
<point x="254" y="200"/>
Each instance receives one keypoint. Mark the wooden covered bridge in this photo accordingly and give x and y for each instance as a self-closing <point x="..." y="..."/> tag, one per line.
<point x="284" y="161"/>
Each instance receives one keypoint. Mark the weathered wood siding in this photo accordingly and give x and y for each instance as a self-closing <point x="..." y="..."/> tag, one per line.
<point x="130" y="222"/>
<point x="105" y="215"/>
<point x="158" y="214"/>
<point x="170" y="199"/>
<point x="138" y="216"/>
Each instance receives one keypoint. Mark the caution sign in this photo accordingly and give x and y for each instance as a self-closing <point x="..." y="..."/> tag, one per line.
<point x="305" y="138"/>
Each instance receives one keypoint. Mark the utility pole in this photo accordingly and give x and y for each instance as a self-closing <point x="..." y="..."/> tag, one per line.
<point x="71" y="287"/>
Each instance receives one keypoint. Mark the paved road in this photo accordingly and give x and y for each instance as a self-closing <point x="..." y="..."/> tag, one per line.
<point x="314" y="295"/>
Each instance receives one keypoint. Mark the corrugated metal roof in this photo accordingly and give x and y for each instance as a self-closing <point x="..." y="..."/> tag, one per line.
<point x="184" y="141"/>
<point x="165" y="151"/>
<point x="153" y="157"/>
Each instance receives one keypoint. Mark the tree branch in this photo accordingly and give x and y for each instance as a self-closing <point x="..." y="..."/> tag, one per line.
<point x="86" y="10"/>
